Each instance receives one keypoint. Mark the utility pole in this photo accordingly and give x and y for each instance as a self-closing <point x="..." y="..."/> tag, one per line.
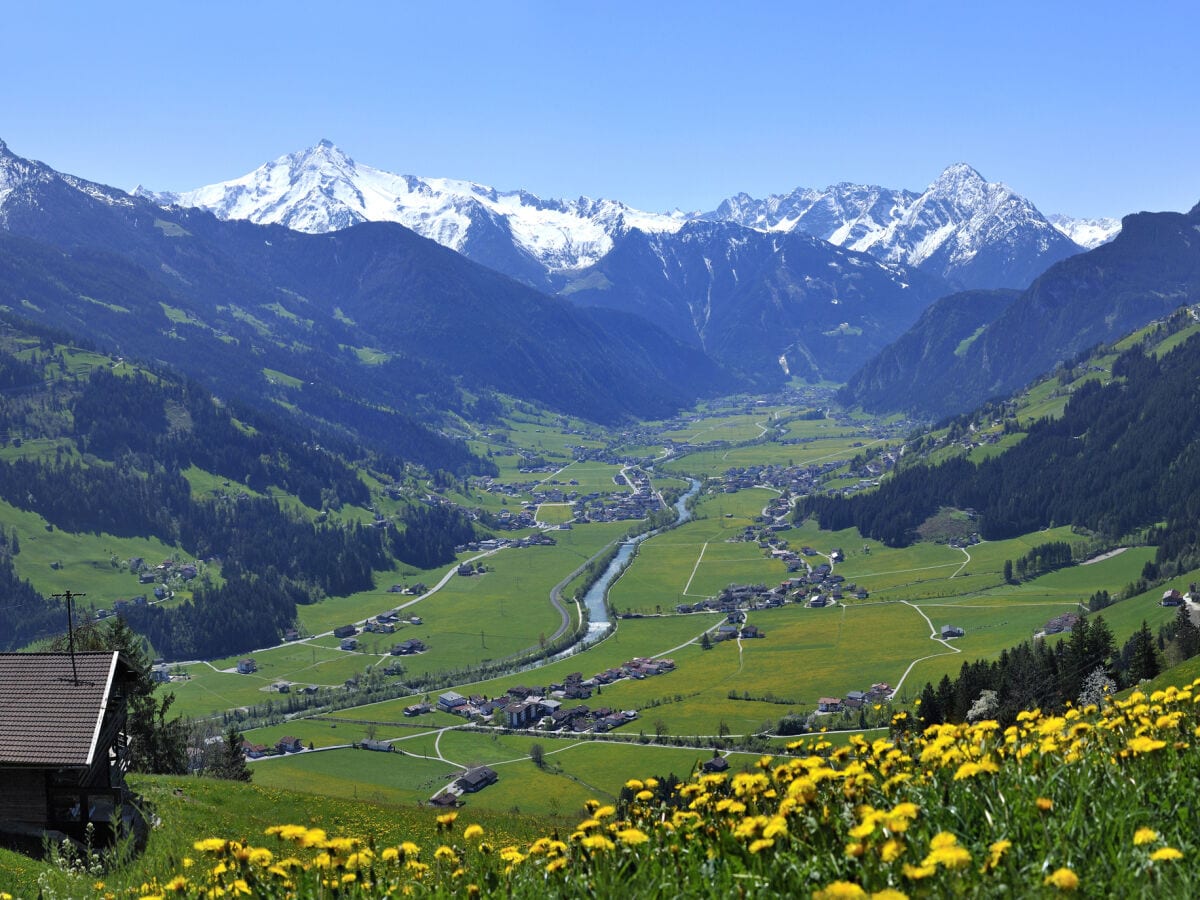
<point x="68" y="596"/>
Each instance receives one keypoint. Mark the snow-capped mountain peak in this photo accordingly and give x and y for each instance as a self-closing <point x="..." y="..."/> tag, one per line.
<point x="962" y="227"/>
<point x="323" y="189"/>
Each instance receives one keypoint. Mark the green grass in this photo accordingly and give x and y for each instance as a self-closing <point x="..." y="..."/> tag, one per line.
<point x="190" y="809"/>
<point x="55" y="561"/>
<point x="554" y="513"/>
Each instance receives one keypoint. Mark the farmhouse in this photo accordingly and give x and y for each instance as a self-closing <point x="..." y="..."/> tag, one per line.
<point x="1061" y="624"/>
<point x="477" y="779"/>
<point x="450" y="701"/>
<point x="829" y="704"/>
<point x="62" y="747"/>
<point x="951" y="631"/>
<point x="247" y="666"/>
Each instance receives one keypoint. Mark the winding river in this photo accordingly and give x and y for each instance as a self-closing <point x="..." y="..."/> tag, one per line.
<point x="598" y="619"/>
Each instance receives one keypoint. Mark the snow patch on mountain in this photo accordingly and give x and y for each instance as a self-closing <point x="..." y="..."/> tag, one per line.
<point x="1087" y="233"/>
<point x="322" y="189"/>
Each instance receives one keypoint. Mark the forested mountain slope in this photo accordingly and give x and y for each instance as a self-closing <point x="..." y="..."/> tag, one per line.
<point x="1122" y="457"/>
<point x="121" y="438"/>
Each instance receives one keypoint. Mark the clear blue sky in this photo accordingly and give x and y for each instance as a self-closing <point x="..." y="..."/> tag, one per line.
<point x="1086" y="108"/>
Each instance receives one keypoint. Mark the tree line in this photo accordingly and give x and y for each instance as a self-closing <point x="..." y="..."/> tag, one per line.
<point x="1081" y="669"/>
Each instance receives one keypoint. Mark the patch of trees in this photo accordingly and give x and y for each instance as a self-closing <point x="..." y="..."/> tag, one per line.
<point x="246" y="611"/>
<point x="430" y="534"/>
<point x="1120" y="458"/>
<point x="1041" y="559"/>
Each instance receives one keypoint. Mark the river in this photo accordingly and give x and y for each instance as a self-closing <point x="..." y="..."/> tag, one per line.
<point x="595" y="599"/>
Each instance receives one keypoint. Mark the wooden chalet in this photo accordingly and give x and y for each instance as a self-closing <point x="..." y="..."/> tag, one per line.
<point x="63" y="748"/>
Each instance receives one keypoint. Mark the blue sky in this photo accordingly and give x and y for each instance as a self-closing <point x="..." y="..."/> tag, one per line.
<point x="1089" y="109"/>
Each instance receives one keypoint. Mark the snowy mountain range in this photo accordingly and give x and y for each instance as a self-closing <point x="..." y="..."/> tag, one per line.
<point x="969" y="231"/>
<point x="321" y="189"/>
<point x="963" y="228"/>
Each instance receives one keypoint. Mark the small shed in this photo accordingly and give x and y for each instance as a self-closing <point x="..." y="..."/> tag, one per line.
<point x="63" y="743"/>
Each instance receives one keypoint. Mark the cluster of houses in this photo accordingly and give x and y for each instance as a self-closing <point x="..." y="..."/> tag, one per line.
<point x="639" y="504"/>
<point x="820" y="587"/>
<point x="287" y="744"/>
<point x="538" y="539"/>
<point x="797" y="479"/>
<point x="163" y="571"/>
<point x="385" y="623"/>
<point x="547" y="707"/>
<point x="879" y="693"/>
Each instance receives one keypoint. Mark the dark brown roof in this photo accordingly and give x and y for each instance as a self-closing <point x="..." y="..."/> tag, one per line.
<point x="46" y="719"/>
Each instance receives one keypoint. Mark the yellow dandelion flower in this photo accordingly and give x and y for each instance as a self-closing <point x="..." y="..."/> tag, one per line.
<point x="634" y="784"/>
<point x="1143" y="744"/>
<point x="1063" y="879"/>
<point x="776" y="827"/>
<point x="644" y="796"/>
<point x="995" y="853"/>
<point x="865" y="829"/>
<point x="555" y="864"/>
<point x="891" y="850"/>
<point x="840" y="890"/>
<point x="889" y="894"/>
<point x="409" y="849"/>
<point x="905" y="810"/>
<point x="597" y="842"/>
<point x="916" y="873"/>
<point x="446" y="820"/>
<point x="1144" y="836"/>
<point x="178" y="884"/>
<point x="761" y="844"/>
<point x="390" y="854"/>
<point x="472" y="831"/>
<point x="211" y="845"/>
<point x="445" y="853"/>
<point x="312" y="837"/>
<point x="632" y="836"/>
<point x="1166" y="854"/>
<point x="942" y="840"/>
<point x="604" y="812"/>
<point x="949" y="857"/>
<point x="1044" y="804"/>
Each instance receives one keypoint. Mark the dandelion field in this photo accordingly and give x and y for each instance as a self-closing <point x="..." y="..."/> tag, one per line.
<point x="1096" y="801"/>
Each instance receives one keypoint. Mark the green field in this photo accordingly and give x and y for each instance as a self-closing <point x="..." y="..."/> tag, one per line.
<point x="574" y="771"/>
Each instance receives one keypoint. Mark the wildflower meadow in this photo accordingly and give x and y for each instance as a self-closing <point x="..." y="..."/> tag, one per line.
<point x="1097" y="801"/>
